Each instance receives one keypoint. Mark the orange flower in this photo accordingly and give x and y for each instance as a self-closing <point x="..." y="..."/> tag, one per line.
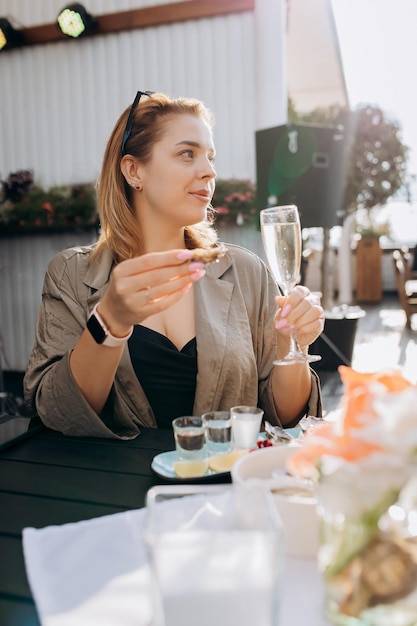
<point x="340" y="438"/>
<point x="393" y="379"/>
<point x="359" y="393"/>
<point x="326" y="441"/>
<point x="47" y="206"/>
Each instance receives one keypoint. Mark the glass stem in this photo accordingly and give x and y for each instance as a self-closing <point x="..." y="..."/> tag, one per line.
<point x="294" y="345"/>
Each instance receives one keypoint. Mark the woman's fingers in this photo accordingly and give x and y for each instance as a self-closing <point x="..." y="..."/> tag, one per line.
<point x="146" y="285"/>
<point x="156" y="260"/>
<point x="300" y="310"/>
<point x="163" y="272"/>
<point x="160" y="288"/>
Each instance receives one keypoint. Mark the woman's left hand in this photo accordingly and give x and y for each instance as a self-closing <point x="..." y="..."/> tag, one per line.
<point x="302" y="311"/>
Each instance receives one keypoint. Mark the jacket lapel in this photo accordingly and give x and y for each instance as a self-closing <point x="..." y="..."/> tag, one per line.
<point x="212" y="303"/>
<point x="97" y="278"/>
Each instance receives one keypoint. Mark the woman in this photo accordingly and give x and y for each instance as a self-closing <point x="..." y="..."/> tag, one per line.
<point x="132" y="332"/>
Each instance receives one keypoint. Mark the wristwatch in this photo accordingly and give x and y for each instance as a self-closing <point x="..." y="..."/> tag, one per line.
<point x="101" y="333"/>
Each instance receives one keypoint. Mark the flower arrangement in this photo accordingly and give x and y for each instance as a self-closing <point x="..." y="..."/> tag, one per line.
<point x="365" y="426"/>
<point x="234" y="203"/>
<point x="27" y="207"/>
<point x="364" y="463"/>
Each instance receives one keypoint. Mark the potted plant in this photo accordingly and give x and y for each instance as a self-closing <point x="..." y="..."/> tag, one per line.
<point x="369" y="229"/>
<point x="235" y="214"/>
<point x="234" y="203"/>
<point x="26" y="207"/>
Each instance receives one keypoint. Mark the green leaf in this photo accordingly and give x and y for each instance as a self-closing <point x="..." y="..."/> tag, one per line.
<point x="357" y="534"/>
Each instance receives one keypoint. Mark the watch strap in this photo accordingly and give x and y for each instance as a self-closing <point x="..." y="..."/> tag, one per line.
<point x="100" y="332"/>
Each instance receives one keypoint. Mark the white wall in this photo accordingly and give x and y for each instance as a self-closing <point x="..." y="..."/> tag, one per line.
<point x="315" y="71"/>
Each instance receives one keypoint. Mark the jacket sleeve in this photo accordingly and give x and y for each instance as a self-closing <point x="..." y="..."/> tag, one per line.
<point x="49" y="386"/>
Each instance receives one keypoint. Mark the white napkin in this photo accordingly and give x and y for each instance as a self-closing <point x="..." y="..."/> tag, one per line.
<point x="93" y="572"/>
<point x="96" y="573"/>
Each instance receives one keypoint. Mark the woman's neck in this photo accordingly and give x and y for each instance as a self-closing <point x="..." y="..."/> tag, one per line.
<point x="159" y="241"/>
<point x="158" y="235"/>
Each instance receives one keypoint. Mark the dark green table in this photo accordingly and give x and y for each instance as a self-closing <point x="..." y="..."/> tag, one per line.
<point x="54" y="479"/>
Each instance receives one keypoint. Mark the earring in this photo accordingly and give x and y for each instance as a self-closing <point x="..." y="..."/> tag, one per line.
<point x="138" y="187"/>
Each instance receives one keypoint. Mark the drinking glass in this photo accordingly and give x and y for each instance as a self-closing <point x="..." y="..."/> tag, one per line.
<point x="189" y="435"/>
<point x="281" y="236"/>
<point x="218" y="427"/>
<point x="216" y="555"/>
<point x="246" y="423"/>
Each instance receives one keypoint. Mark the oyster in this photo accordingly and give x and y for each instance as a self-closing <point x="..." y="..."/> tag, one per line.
<point x="209" y="255"/>
<point x="277" y="435"/>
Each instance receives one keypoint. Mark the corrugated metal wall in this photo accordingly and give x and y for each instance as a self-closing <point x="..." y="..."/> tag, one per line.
<point x="59" y="102"/>
<point x="23" y="262"/>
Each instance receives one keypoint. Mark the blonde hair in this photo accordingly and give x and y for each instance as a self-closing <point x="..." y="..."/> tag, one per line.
<point x="120" y="231"/>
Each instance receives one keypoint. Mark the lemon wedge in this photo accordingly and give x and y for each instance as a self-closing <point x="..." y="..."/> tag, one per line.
<point x="191" y="469"/>
<point x="224" y="462"/>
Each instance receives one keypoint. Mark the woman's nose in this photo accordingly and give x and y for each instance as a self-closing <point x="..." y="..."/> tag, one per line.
<point x="208" y="170"/>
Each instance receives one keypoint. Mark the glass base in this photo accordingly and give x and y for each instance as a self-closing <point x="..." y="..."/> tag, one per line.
<point x="297" y="357"/>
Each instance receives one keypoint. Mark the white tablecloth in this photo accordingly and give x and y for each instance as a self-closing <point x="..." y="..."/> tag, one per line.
<point x="96" y="572"/>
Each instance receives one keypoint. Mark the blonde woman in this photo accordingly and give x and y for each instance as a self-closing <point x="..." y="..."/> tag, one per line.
<point x="133" y="331"/>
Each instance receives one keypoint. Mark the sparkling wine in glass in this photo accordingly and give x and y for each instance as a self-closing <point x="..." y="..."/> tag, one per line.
<point x="281" y="236"/>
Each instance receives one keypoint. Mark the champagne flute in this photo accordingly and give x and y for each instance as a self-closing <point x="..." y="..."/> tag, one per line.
<point x="281" y="236"/>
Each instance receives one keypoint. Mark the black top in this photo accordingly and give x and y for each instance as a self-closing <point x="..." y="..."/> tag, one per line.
<point x="167" y="375"/>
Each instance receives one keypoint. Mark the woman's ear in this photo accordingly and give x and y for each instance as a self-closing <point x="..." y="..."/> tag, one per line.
<point x="130" y="170"/>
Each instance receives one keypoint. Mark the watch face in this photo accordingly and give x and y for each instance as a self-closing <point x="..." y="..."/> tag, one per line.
<point x="96" y="329"/>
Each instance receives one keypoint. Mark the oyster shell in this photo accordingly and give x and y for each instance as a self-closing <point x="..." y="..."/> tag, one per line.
<point x="209" y="255"/>
<point x="277" y="435"/>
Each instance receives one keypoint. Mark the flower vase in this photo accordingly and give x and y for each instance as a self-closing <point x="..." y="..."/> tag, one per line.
<point x="368" y="544"/>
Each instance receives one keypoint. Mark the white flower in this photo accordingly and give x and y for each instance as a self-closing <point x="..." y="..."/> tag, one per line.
<point x="395" y="430"/>
<point x="356" y="488"/>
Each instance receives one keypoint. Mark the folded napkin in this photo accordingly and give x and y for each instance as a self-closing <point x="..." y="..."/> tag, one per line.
<point x="93" y="572"/>
<point x="96" y="573"/>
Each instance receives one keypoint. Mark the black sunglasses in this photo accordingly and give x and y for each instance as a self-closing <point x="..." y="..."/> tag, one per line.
<point x="129" y="122"/>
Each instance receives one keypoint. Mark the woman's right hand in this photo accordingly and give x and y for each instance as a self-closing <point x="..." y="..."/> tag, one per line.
<point x="145" y="285"/>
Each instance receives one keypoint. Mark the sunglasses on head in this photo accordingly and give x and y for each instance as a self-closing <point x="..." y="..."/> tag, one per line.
<point x="129" y="122"/>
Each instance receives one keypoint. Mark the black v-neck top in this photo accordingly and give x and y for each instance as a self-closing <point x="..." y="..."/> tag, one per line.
<point x="167" y="375"/>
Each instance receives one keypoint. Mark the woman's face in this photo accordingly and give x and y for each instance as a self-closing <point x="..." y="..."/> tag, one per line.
<point x="178" y="181"/>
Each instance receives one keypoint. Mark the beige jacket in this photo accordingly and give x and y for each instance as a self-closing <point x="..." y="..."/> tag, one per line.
<point x="235" y="336"/>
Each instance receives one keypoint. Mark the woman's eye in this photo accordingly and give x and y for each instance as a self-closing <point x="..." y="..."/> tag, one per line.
<point x="212" y="158"/>
<point x="188" y="154"/>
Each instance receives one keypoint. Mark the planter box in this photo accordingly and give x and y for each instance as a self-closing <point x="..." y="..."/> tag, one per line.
<point x="368" y="270"/>
<point x="23" y="261"/>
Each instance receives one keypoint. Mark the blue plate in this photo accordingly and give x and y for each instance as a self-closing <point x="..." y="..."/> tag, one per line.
<point x="163" y="464"/>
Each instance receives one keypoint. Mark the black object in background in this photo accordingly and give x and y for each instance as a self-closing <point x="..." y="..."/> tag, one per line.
<point x="304" y="165"/>
<point x="335" y="344"/>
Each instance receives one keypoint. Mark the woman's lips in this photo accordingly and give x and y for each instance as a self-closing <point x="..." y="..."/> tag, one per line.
<point x="202" y="195"/>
